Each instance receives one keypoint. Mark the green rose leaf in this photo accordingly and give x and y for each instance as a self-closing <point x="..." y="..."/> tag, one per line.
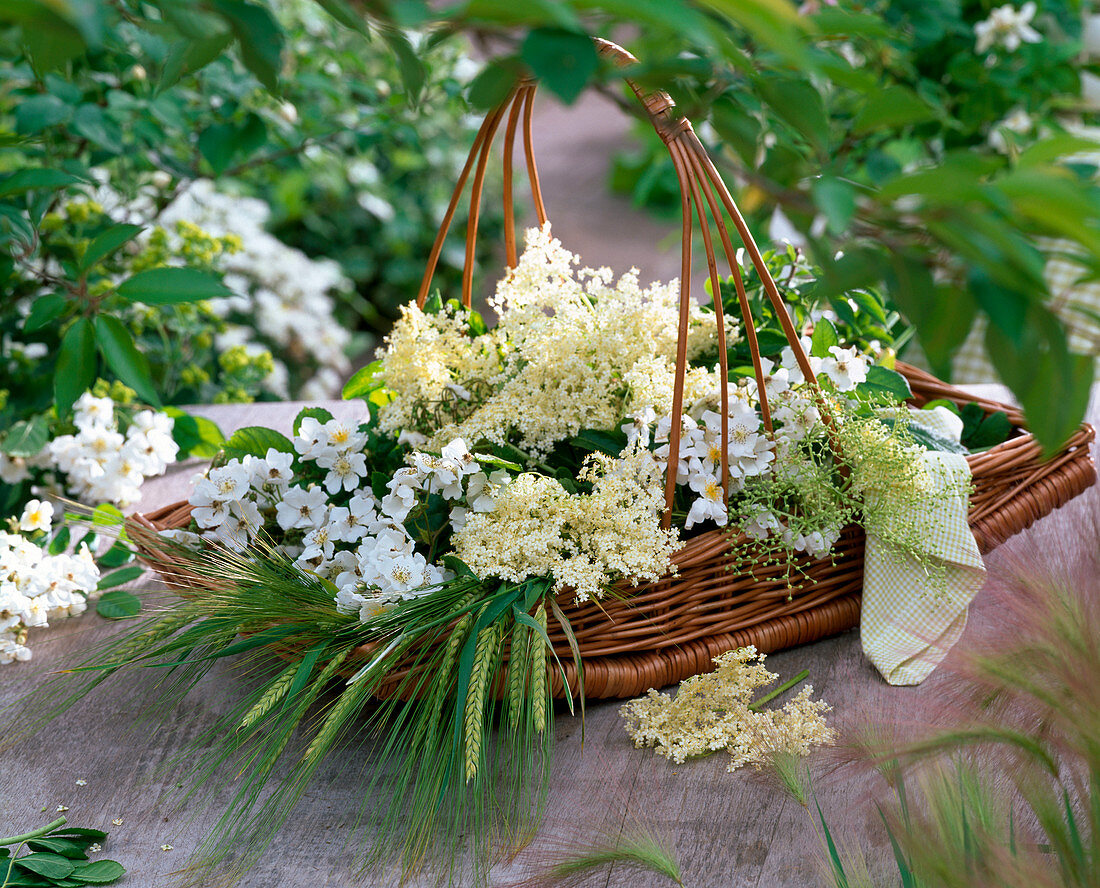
<point x="118" y="555"/>
<point x="363" y="382"/>
<point x="195" y="435"/>
<point x="883" y="381"/>
<point x="106" y="515"/>
<point x="824" y="338"/>
<point x="60" y="542"/>
<point x="68" y="848"/>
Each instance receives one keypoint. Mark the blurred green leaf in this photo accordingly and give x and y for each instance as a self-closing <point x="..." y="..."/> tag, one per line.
<point x="894" y="106"/>
<point x="27" y="437"/>
<point x="106" y="243"/>
<point x="797" y="102"/>
<point x="34" y="114"/>
<point x="30" y="180"/>
<point x="413" y="72"/>
<point x="345" y="14"/>
<point x="564" y="61"/>
<point x="45" y="310"/>
<point x="837" y="200"/>
<point x="222" y="143"/>
<point x="259" y="36"/>
<point x="92" y="123"/>
<point x="493" y="84"/>
<point x="190" y="55"/>
<point x="1051" y="383"/>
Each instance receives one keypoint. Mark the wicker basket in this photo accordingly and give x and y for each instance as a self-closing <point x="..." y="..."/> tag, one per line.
<point x="665" y="631"/>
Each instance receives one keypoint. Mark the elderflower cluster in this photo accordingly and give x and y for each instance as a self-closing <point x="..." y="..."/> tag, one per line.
<point x="585" y="542"/>
<point x="711" y="712"/>
<point x="557" y="362"/>
<point x="36" y="587"/>
<point x="284" y="292"/>
<point x="107" y="459"/>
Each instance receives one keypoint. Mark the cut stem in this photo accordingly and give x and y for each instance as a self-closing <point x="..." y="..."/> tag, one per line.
<point x="37" y="834"/>
<point x="783" y="688"/>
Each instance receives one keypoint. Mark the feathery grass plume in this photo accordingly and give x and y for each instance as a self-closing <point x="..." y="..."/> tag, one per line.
<point x="570" y="863"/>
<point x="1002" y="788"/>
<point x="787" y="770"/>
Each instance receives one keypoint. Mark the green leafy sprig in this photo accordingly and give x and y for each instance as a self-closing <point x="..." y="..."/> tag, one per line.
<point x="57" y="855"/>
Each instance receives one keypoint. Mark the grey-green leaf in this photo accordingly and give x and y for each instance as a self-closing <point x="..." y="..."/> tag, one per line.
<point x="50" y="866"/>
<point x="100" y="872"/>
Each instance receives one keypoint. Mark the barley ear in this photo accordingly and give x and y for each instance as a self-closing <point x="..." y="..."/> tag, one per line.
<point x="517" y="671"/>
<point x="275" y="692"/>
<point x="538" y="674"/>
<point x="481" y="677"/>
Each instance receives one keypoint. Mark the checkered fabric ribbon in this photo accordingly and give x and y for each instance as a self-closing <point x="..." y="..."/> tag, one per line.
<point x="911" y="619"/>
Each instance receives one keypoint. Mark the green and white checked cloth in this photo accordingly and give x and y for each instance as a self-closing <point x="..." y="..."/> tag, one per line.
<point x="911" y="619"/>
